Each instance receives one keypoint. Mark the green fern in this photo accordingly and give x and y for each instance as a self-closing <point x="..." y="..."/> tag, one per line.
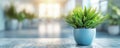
<point x="25" y="15"/>
<point x="114" y="17"/>
<point x="21" y="16"/>
<point x="84" y="18"/>
<point x="10" y="12"/>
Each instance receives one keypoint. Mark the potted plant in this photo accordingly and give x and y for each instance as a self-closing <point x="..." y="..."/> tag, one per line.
<point x="84" y="22"/>
<point x="114" y="21"/>
<point x="10" y="13"/>
<point x="113" y="27"/>
<point x="29" y="17"/>
<point x="20" y="17"/>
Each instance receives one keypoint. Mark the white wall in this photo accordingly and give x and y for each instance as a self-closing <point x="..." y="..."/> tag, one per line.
<point x="86" y="3"/>
<point x="79" y="2"/>
<point x="3" y="4"/>
<point x="2" y="20"/>
<point x="70" y="5"/>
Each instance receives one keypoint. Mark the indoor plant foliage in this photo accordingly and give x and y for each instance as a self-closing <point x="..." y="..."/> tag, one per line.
<point x="87" y="18"/>
<point x="113" y="27"/>
<point x="30" y="17"/>
<point x="114" y="20"/>
<point x="11" y="16"/>
<point x="84" y="21"/>
<point x="11" y="12"/>
<point x="20" y="17"/>
<point x="114" y="17"/>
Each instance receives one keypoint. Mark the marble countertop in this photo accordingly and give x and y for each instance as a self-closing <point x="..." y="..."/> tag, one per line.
<point x="56" y="43"/>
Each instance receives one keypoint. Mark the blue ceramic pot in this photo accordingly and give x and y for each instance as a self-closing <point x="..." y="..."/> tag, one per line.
<point x="84" y="37"/>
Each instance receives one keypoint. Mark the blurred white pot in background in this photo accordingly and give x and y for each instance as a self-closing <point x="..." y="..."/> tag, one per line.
<point x="113" y="30"/>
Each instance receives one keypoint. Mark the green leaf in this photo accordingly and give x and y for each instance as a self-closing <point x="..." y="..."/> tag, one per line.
<point x="87" y="18"/>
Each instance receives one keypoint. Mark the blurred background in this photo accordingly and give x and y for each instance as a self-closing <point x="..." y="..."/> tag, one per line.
<point x="31" y="19"/>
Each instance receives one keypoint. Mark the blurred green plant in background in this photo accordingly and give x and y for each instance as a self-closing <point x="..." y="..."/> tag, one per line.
<point x="29" y="16"/>
<point x="114" y="16"/>
<point x="12" y="15"/>
<point x="11" y="12"/>
<point x="21" y="16"/>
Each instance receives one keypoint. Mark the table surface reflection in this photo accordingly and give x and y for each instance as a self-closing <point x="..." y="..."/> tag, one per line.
<point x="56" y="43"/>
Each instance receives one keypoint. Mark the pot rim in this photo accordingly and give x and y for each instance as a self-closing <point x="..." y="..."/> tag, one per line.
<point x="84" y="28"/>
<point x="113" y="25"/>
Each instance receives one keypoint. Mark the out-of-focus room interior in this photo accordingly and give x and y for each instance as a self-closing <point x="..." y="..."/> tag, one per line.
<point x="41" y="23"/>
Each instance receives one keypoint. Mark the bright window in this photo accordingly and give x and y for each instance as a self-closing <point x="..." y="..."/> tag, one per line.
<point x="49" y="10"/>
